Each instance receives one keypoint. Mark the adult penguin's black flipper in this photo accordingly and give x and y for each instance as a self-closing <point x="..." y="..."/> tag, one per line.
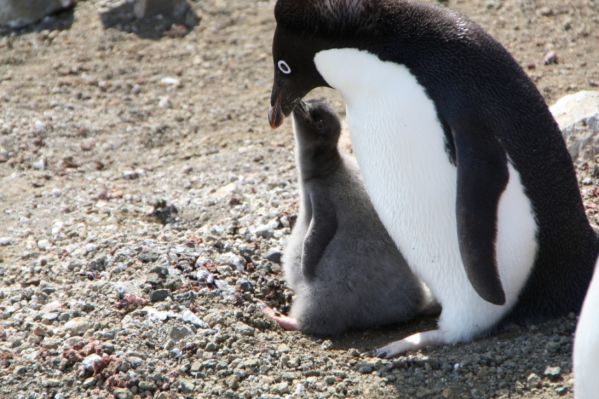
<point x="482" y="177"/>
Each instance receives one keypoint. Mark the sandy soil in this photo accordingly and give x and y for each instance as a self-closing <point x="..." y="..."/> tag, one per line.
<point x="98" y="124"/>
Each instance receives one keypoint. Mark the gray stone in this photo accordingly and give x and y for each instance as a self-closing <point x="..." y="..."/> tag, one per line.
<point x="178" y="333"/>
<point x="49" y="317"/>
<point x="265" y="231"/>
<point x="135" y="361"/>
<point x="122" y="393"/>
<point x="50" y="383"/>
<point x="578" y="118"/>
<point x="243" y="329"/>
<point x="77" y="326"/>
<point x="553" y="373"/>
<point x="166" y="8"/>
<point x="281" y="388"/>
<point x="146" y="386"/>
<point x="364" y="368"/>
<point x="533" y="380"/>
<point x="189" y="317"/>
<point x="274" y="255"/>
<point x="90" y="361"/>
<point x="19" y="13"/>
<point x="89" y="383"/>
<point x="245" y="285"/>
<point x="186" y="386"/>
<point x="148" y="257"/>
<point x="232" y="260"/>
<point x="159" y="295"/>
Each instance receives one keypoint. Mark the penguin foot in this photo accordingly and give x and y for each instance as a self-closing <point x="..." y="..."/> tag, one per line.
<point x="411" y="343"/>
<point x="287" y="323"/>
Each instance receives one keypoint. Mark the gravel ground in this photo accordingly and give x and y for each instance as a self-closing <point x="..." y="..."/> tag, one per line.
<point x="145" y="203"/>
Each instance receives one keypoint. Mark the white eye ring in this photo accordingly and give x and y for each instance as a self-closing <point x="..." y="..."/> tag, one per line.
<point x="284" y="67"/>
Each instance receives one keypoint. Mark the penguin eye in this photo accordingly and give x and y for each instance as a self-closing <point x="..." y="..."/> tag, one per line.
<point x="284" y="67"/>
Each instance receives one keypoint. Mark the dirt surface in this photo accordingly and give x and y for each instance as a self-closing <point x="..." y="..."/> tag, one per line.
<point x="145" y="201"/>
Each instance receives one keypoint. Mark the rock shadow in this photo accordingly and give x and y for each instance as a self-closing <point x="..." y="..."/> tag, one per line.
<point x="60" y="20"/>
<point x="151" y="19"/>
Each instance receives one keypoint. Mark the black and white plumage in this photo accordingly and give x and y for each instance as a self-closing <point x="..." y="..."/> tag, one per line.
<point x="459" y="153"/>
<point x="343" y="266"/>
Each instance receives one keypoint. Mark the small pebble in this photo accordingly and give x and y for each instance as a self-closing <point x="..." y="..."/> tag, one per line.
<point x="165" y="102"/>
<point x="159" y="295"/>
<point x="122" y="393"/>
<point x="170" y="81"/>
<point x="178" y="333"/>
<point x="274" y="255"/>
<point x="91" y="361"/>
<point x="40" y="164"/>
<point x="5" y="241"/>
<point x="43" y="245"/>
<point x="533" y="380"/>
<point x="550" y="58"/>
<point x="77" y="326"/>
<point x="132" y="174"/>
<point x="553" y="373"/>
<point x="39" y="127"/>
<point x="264" y="231"/>
<point x="186" y="386"/>
<point x="245" y="285"/>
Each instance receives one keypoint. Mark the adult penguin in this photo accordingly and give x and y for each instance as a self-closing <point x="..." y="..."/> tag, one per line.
<point x="459" y="153"/>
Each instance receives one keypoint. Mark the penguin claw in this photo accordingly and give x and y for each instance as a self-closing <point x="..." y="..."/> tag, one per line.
<point x="380" y="353"/>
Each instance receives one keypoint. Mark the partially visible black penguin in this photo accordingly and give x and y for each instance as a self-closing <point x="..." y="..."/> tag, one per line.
<point x="459" y="153"/>
<point x="344" y="268"/>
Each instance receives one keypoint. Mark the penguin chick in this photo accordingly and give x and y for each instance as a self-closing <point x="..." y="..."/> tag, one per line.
<point x="344" y="268"/>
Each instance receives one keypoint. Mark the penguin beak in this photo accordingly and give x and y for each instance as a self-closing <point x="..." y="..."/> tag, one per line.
<point x="281" y="103"/>
<point x="275" y="113"/>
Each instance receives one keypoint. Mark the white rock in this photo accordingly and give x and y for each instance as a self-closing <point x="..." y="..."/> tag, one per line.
<point x="39" y="127"/>
<point x="157" y="315"/>
<point x="5" y="241"/>
<point x="578" y="117"/>
<point x="133" y="174"/>
<point x="90" y="248"/>
<point x="165" y="102"/>
<point x="90" y="361"/>
<point x="43" y="245"/>
<point x="189" y="317"/>
<point x="40" y="164"/>
<point x="170" y="81"/>
<point x="57" y="227"/>
<point x="232" y="260"/>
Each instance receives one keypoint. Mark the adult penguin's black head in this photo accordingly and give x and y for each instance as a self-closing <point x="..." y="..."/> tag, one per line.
<point x="305" y="27"/>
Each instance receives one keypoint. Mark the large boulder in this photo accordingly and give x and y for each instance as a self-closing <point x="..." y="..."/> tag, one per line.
<point x="578" y="118"/>
<point x="19" y="13"/>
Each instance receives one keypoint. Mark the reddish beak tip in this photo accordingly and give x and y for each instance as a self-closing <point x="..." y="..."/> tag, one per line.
<point x="275" y="116"/>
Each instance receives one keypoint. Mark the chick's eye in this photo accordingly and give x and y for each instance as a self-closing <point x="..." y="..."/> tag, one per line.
<point x="284" y="67"/>
<point x="320" y="124"/>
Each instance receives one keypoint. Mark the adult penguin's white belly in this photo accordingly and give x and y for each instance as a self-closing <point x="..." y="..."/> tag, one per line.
<point x="399" y="143"/>
<point x="586" y="344"/>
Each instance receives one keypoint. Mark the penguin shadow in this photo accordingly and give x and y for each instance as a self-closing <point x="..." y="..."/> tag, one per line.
<point x="58" y="21"/>
<point x="171" y="23"/>
<point x="365" y="341"/>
